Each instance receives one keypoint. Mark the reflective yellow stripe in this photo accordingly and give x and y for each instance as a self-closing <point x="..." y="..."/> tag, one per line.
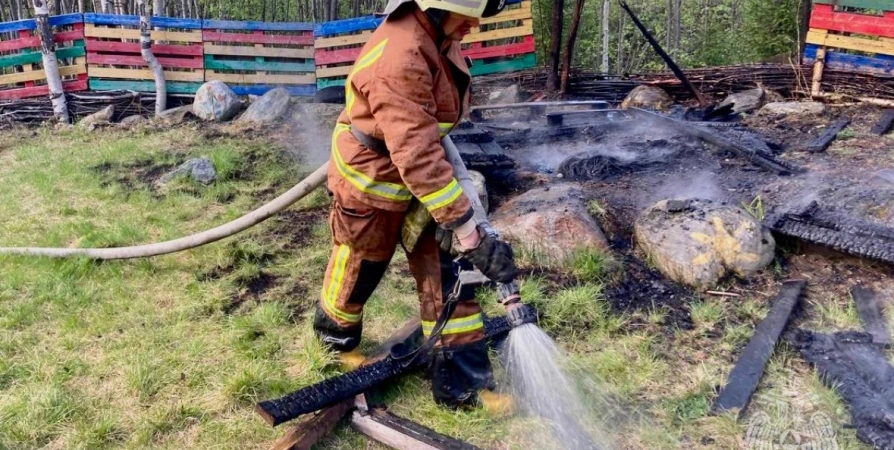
<point x="330" y="293"/>
<point x="365" y="61"/>
<point x="442" y="197"/>
<point x="366" y="184"/>
<point x="444" y="128"/>
<point x="456" y="326"/>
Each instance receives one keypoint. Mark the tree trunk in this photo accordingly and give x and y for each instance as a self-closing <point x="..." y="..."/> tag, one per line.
<point x="158" y="8"/>
<point x="161" y="91"/>
<point x="333" y="9"/>
<point x="619" y="59"/>
<point x="104" y="5"/>
<point x="606" y="33"/>
<point x="356" y="10"/>
<point x="803" y="24"/>
<point x="82" y="7"/>
<point x="569" y="43"/>
<point x="50" y="65"/>
<point x="555" y="46"/>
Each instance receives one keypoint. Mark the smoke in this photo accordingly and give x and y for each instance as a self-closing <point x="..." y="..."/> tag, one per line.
<point x="307" y="134"/>
<point x="701" y="185"/>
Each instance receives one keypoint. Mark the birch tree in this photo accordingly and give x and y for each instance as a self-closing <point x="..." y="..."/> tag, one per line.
<point x="161" y="91"/>
<point x="50" y="64"/>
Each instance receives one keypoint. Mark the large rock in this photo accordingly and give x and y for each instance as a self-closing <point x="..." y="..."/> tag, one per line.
<point x="199" y="169"/>
<point x="215" y="101"/>
<point x="101" y="117"/>
<point x="697" y="242"/>
<point x="481" y="188"/>
<point x="553" y="221"/>
<point x="176" y="116"/>
<point x="786" y="108"/>
<point x="268" y="108"/>
<point x="648" y="97"/>
<point x="511" y="94"/>
<point x="745" y="101"/>
<point x="132" y="120"/>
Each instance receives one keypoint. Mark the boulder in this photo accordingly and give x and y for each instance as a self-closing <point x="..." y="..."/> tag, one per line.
<point x="884" y="176"/>
<point x="648" y="97"/>
<point x="553" y="221"/>
<point x="481" y="187"/>
<point x="511" y="94"/>
<point x="101" y="117"/>
<point x="268" y="108"/>
<point x="698" y="242"/>
<point x="199" y="169"/>
<point x="215" y="101"/>
<point x="176" y="116"/>
<point x="786" y="108"/>
<point x="745" y="101"/>
<point x="131" y="120"/>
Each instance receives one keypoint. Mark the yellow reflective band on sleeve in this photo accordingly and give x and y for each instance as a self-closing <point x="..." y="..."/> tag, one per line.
<point x="456" y="326"/>
<point x="330" y="292"/>
<point x="361" y="181"/>
<point x="444" y="128"/>
<point x="365" y="61"/>
<point x="442" y="197"/>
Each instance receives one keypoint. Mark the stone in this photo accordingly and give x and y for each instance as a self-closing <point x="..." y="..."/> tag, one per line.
<point x="648" y="97"/>
<point x="199" y="169"/>
<point x="704" y="242"/>
<point x="176" y="116"/>
<point x="101" y="117"/>
<point x="269" y="108"/>
<point x="786" y="108"/>
<point x="552" y="221"/>
<point x="481" y="188"/>
<point x="131" y="120"/>
<point x="884" y="175"/>
<point x="745" y="101"/>
<point x="215" y="101"/>
<point x="511" y="94"/>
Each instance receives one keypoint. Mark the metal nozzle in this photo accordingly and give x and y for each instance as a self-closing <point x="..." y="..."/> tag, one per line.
<point x="521" y="315"/>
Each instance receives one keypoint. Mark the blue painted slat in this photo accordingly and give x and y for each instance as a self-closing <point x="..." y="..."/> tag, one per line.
<point x="111" y="19"/>
<point x="174" y="22"/>
<point x="305" y="90"/>
<point x="347" y="25"/>
<point x="256" y="26"/>
<point x="18" y="25"/>
<point x="881" y="64"/>
<point x="66" y="19"/>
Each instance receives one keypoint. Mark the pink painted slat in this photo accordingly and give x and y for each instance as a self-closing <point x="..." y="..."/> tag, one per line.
<point x="527" y="46"/>
<point x="135" y="60"/>
<point x="36" y="91"/>
<point x="826" y="18"/>
<point x="322" y="57"/>
<point x="95" y="46"/>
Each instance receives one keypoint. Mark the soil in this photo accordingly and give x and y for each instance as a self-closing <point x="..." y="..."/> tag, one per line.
<point x="134" y="175"/>
<point x="295" y="228"/>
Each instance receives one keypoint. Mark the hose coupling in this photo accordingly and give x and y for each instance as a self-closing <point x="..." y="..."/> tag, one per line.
<point x="521" y="315"/>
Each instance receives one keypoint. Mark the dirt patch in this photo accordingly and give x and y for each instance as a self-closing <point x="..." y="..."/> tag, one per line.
<point x="251" y="288"/>
<point x="135" y="175"/>
<point x="644" y="289"/>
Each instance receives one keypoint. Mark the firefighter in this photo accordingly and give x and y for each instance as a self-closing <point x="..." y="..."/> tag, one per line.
<point x="408" y="88"/>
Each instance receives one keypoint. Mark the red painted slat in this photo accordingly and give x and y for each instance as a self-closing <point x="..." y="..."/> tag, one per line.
<point x="34" y="41"/>
<point x="243" y="38"/>
<point x="826" y="18"/>
<point x="322" y="57"/>
<point x="135" y="60"/>
<point x="69" y="86"/>
<point x="527" y="46"/>
<point x="95" y="46"/>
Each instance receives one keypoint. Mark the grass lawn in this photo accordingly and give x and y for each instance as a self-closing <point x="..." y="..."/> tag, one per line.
<point x="173" y="351"/>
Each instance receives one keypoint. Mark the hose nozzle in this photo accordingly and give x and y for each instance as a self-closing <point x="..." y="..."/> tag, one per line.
<point x="521" y="315"/>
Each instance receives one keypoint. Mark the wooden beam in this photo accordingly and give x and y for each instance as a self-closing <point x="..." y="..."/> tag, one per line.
<point x="826" y="18"/>
<point x="91" y="30"/>
<point x="824" y="38"/>
<point x="241" y="78"/>
<point x="402" y="434"/>
<point x="327" y="72"/>
<point x="749" y="369"/>
<point x="510" y="14"/>
<point x="339" y="41"/>
<point x="883" y="126"/>
<point x="871" y="316"/>
<point x="883" y="5"/>
<point x="270" y="52"/>
<point x="526" y="29"/>
<point x="142" y="74"/>
<point x="37" y="75"/>
<point x="823" y="141"/>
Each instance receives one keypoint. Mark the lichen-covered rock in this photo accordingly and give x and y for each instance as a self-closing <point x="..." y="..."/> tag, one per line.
<point x="268" y="108"/>
<point x="101" y="117"/>
<point x="786" y="108"/>
<point x="697" y="242"/>
<point x="552" y="221"/>
<point x="215" y="101"/>
<point x="176" y="116"/>
<point x="199" y="169"/>
<point x="648" y="97"/>
<point x="745" y="101"/>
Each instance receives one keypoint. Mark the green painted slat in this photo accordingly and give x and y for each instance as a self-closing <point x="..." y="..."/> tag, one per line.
<point x="512" y="65"/>
<point x="174" y="87"/>
<point x="327" y="82"/>
<point x="35" y="57"/>
<point x="212" y="64"/>
<point x="884" y="5"/>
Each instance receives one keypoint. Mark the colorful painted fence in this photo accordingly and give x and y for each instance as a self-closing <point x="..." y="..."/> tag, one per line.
<point x="21" y="61"/>
<point x="855" y="35"/>
<point x="337" y="45"/>
<point x="254" y="57"/>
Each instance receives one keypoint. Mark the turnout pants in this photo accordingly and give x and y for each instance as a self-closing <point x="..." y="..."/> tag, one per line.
<point x="364" y="240"/>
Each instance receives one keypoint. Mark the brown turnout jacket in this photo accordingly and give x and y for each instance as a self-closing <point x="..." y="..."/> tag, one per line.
<point x="407" y="90"/>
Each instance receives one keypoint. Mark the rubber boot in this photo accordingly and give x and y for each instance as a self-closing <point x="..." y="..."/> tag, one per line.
<point x="351" y="360"/>
<point x="496" y="404"/>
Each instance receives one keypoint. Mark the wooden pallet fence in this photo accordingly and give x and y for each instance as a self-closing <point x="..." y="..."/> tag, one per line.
<point x="337" y="45"/>
<point x="21" y="61"/>
<point x="254" y="57"/>
<point x="503" y="43"/>
<point x="854" y="35"/>
<point x="114" y="60"/>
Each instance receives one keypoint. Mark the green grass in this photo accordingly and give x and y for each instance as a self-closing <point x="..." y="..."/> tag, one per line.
<point x="173" y="352"/>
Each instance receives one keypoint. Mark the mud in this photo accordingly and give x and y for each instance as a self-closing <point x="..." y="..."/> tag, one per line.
<point x="644" y="289"/>
<point x="294" y="229"/>
<point x="861" y="374"/>
<point x="251" y="288"/>
<point x="135" y="175"/>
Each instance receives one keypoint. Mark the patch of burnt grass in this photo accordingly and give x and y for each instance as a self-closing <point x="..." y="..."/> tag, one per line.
<point x="134" y="175"/>
<point x="251" y="288"/>
<point x="295" y="228"/>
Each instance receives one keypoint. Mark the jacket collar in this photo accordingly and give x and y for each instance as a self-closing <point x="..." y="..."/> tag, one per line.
<point x="433" y="32"/>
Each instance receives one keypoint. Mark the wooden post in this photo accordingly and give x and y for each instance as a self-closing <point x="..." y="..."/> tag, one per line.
<point x="816" y="88"/>
<point x="50" y="64"/>
<point x="161" y="91"/>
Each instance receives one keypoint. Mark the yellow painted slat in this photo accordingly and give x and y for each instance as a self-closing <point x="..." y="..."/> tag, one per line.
<point x="143" y="74"/>
<point x="260" y="79"/>
<point x="339" y="41"/>
<point x="91" y="30"/>
<point x="235" y="50"/>
<point x="38" y="75"/>
<point x="526" y="29"/>
<point x="326" y="72"/>
<point x="510" y="14"/>
<point x="822" y="37"/>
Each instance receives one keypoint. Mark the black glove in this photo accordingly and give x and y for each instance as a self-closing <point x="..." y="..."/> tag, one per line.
<point x="493" y="257"/>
